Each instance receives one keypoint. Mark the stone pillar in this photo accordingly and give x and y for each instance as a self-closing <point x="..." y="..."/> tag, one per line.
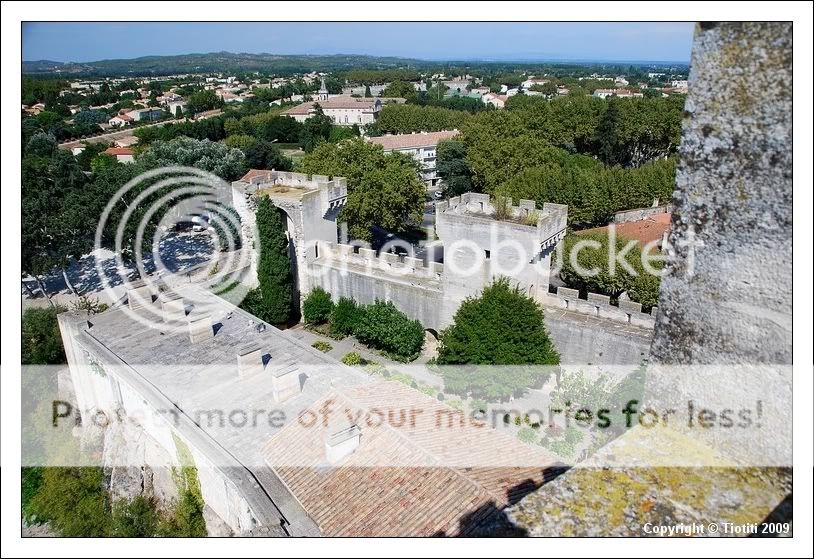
<point x="729" y="301"/>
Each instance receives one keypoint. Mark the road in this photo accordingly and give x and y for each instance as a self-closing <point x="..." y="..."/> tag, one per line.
<point x="111" y="137"/>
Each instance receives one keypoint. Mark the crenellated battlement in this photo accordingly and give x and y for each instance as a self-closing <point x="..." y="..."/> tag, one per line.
<point x="390" y="264"/>
<point x="475" y="208"/>
<point x="601" y="306"/>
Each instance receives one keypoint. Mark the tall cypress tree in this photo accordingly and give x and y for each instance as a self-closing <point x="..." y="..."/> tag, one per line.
<point x="274" y="268"/>
<point x="609" y="147"/>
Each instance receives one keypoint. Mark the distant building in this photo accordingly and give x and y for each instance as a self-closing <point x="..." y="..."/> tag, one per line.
<point x="605" y="93"/>
<point x="122" y="155"/>
<point x="343" y="110"/>
<point x="126" y="142"/>
<point x="149" y="114"/>
<point x="628" y="93"/>
<point x="120" y="120"/>
<point x="421" y="146"/>
<point x="498" y="101"/>
<point x="529" y="83"/>
<point x="647" y="226"/>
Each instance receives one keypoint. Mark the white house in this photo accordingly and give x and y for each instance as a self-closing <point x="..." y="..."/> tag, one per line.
<point x="526" y="85"/>
<point x="498" y="101"/>
<point x="120" y="120"/>
<point x="149" y="114"/>
<point x="603" y="93"/>
<point x="343" y="110"/>
<point x="422" y="146"/>
<point x="122" y="155"/>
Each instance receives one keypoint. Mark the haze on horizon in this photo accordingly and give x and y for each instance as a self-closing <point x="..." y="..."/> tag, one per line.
<point x="495" y="41"/>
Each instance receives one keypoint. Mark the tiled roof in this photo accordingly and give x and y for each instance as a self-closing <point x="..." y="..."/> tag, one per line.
<point x="421" y="139"/>
<point x="644" y="231"/>
<point x="119" y="151"/>
<point x="418" y="478"/>
<point x="254" y="173"/>
<point x="338" y="102"/>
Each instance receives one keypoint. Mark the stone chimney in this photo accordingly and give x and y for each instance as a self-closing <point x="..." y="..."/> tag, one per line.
<point x="342" y="443"/>
<point x="200" y="328"/>
<point x="249" y="361"/>
<point x="285" y="381"/>
<point x="139" y="295"/>
<point x="172" y="307"/>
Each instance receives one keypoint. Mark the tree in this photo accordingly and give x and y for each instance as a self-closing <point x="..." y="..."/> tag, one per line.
<point x="453" y="168"/>
<point x="315" y="129"/>
<point x="383" y="189"/>
<point x="137" y="518"/>
<point x="399" y="88"/>
<point x="90" y="117"/>
<point x="89" y="152"/>
<point x="396" y="118"/>
<point x="501" y="327"/>
<point x="227" y="163"/>
<point x="265" y="155"/>
<point x="548" y="89"/>
<point x="609" y="146"/>
<point x="42" y="340"/>
<point x="201" y="101"/>
<point x="274" y="267"/>
<point x="367" y="91"/>
<point x="317" y="307"/>
<point x="641" y="286"/>
<point x="41" y="144"/>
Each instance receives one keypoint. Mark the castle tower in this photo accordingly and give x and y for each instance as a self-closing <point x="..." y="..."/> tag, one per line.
<point x="322" y="94"/>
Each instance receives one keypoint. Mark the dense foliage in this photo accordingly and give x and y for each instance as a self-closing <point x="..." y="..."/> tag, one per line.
<point x="402" y="119"/>
<point x="640" y="286"/>
<point x="217" y="158"/>
<point x="383" y="189"/>
<point x="343" y="318"/>
<point x="384" y="327"/>
<point x="317" y="307"/>
<point x="501" y="327"/>
<point x="453" y="167"/>
<point x="274" y="265"/>
<point x="42" y="341"/>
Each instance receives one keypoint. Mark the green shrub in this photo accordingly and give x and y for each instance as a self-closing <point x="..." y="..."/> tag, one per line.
<point x="322" y="346"/>
<point x="352" y="359"/>
<point x="137" y="518"/>
<point x="344" y="317"/>
<point x="31" y="483"/>
<point x="382" y="326"/>
<point x="317" y="307"/>
<point x="73" y="501"/>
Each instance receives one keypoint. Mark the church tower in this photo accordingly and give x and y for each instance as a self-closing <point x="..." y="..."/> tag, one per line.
<point x="322" y="94"/>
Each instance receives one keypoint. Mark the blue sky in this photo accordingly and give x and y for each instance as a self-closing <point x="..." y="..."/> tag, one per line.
<point x="84" y="42"/>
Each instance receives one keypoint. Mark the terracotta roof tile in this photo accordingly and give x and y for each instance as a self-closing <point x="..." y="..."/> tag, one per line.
<point x="406" y="141"/>
<point x="406" y="477"/>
